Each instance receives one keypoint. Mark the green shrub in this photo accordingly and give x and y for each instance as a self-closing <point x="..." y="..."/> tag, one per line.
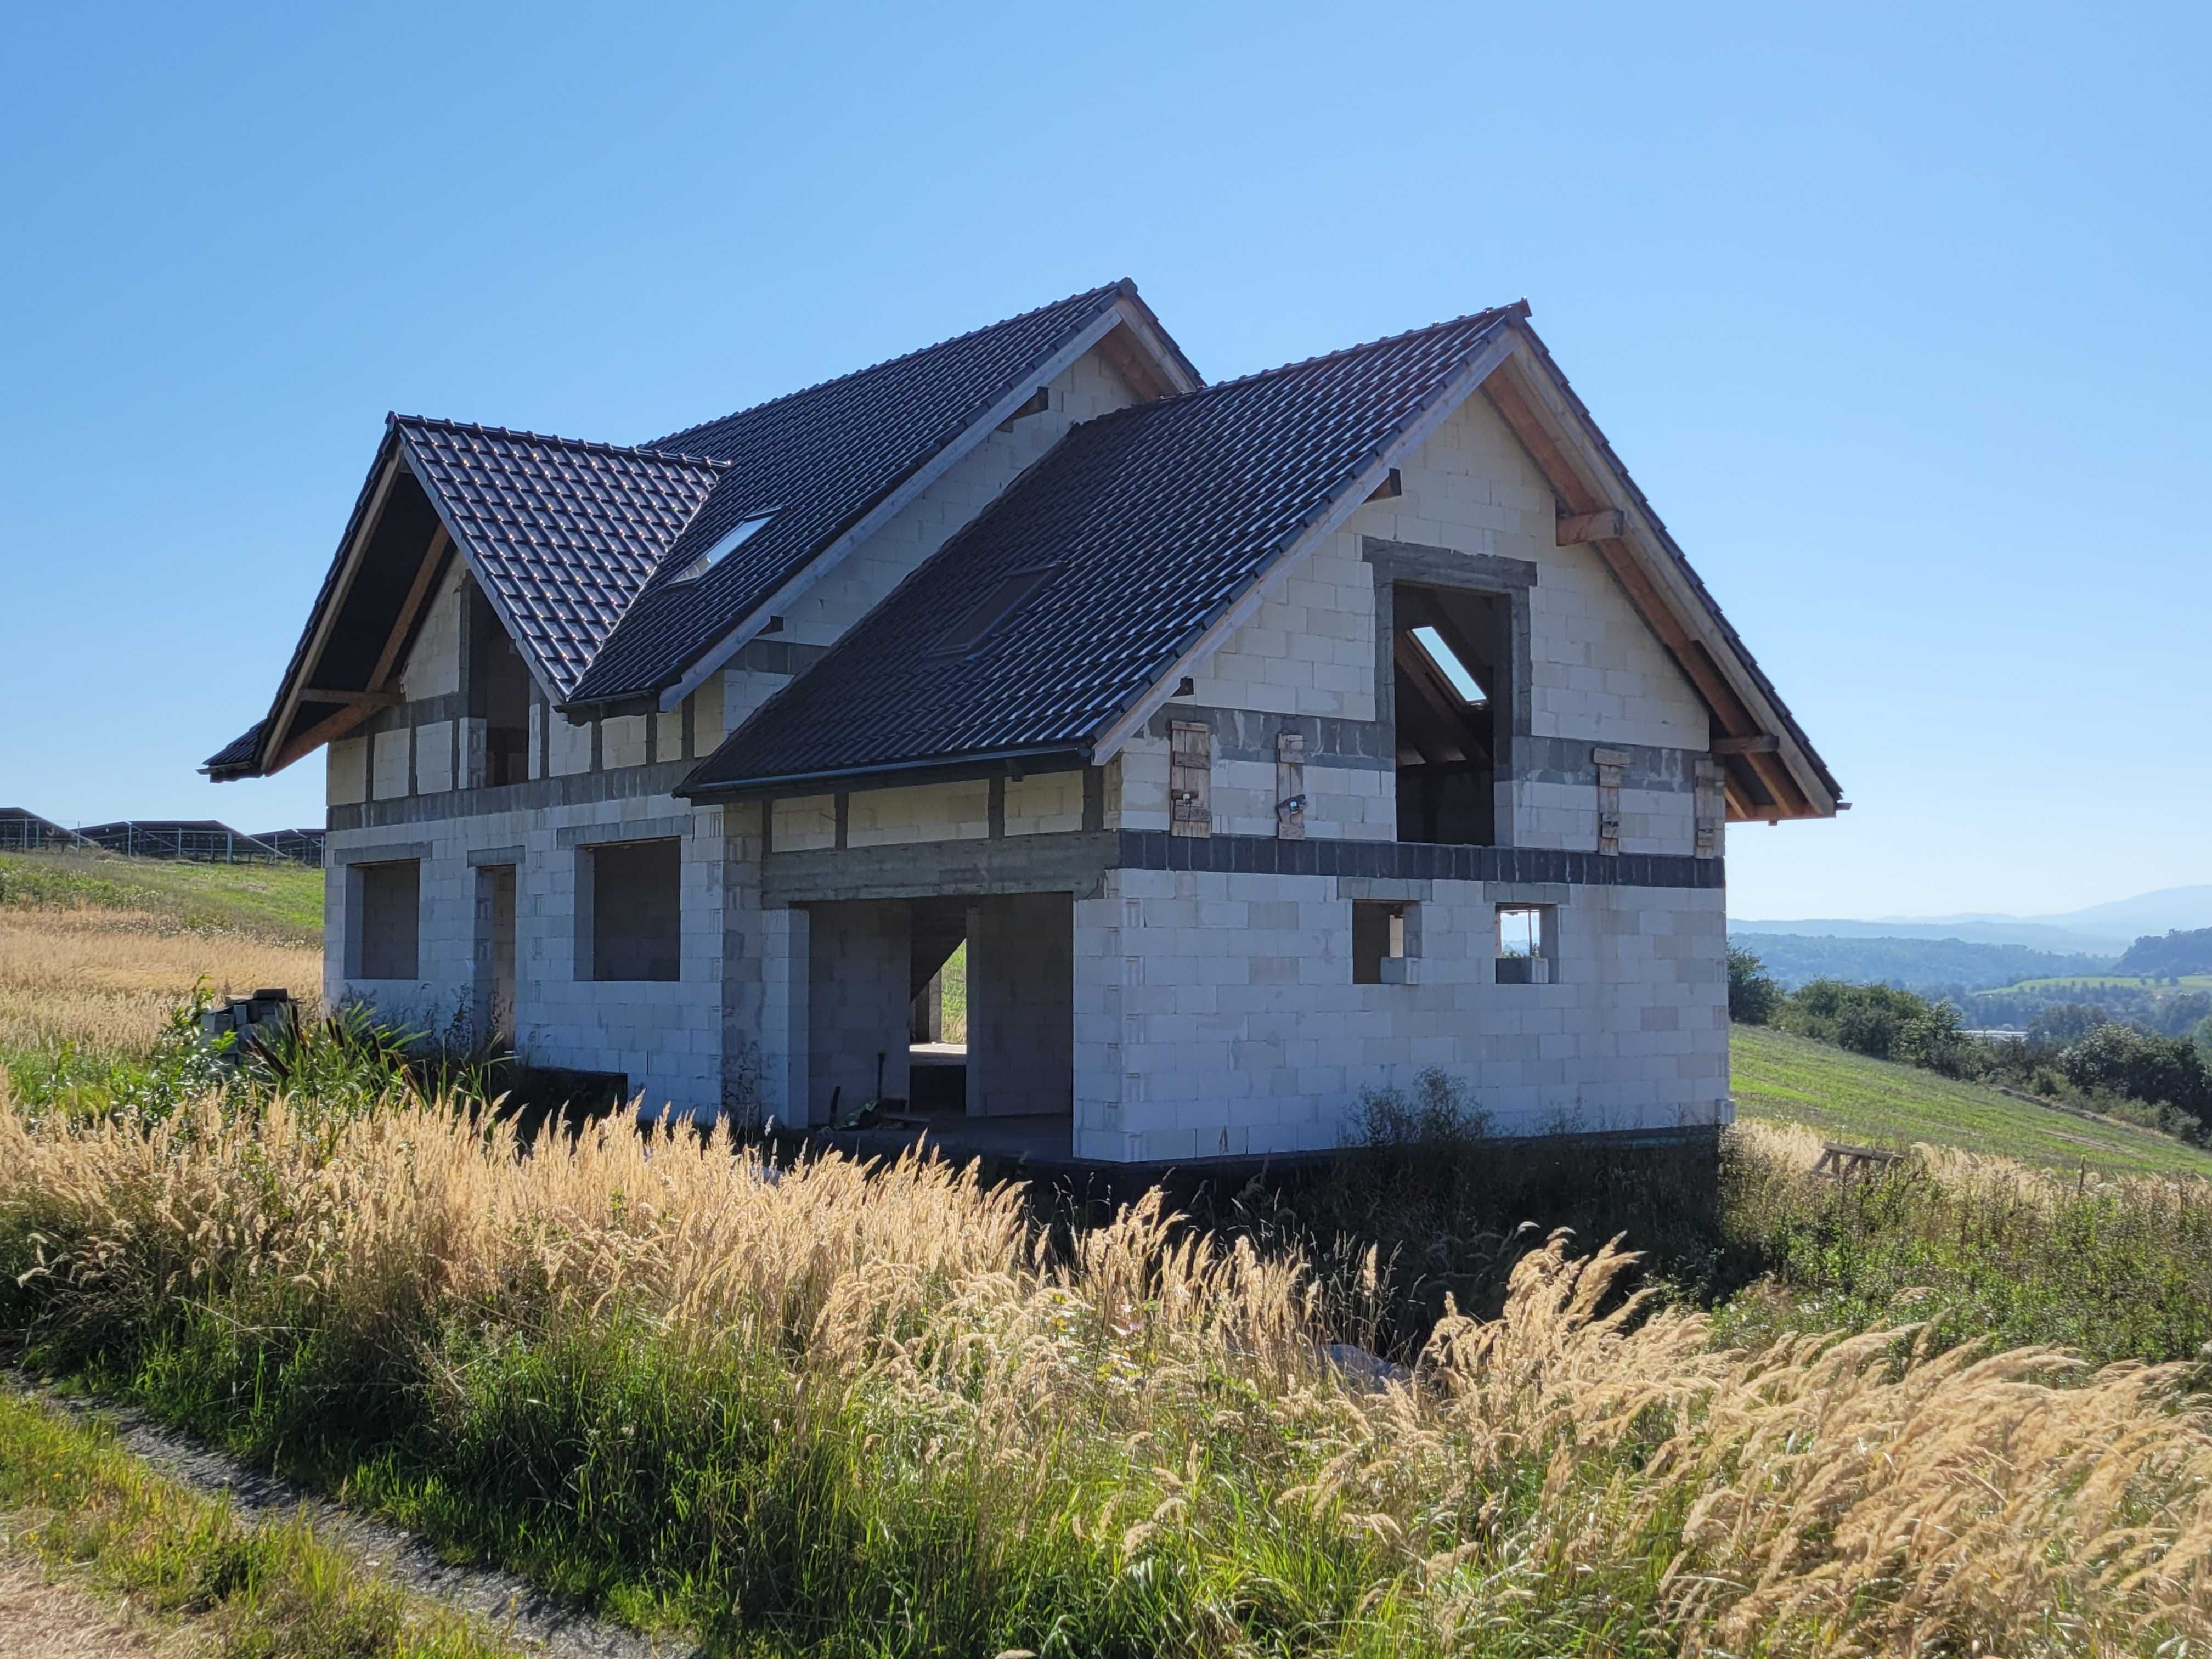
<point x="1753" y="993"/>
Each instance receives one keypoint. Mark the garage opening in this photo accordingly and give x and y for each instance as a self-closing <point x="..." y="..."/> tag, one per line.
<point x="1450" y="661"/>
<point x="952" y="1015"/>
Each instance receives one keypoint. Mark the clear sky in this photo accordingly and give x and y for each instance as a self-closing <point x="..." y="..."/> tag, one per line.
<point x="1898" y="315"/>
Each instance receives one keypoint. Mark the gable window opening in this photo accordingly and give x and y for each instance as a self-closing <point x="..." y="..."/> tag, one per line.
<point x="1386" y="938"/>
<point x="499" y="694"/>
<point x="1528" y="943"/>
<point x="1449" y="674"/>
<point x="726" y="544"/>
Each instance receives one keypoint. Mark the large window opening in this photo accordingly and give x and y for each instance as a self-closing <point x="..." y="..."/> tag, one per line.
<point x="499" y="693"/>
<point x="390" y="935"/>
<point x="1451" y="673"/>
<point x="636" y="909"/>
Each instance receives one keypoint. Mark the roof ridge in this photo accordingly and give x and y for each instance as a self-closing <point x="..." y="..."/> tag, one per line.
<point x="1487" y="315"/>
<point x="1118" y="286"/>
<point x="600" y="445"/>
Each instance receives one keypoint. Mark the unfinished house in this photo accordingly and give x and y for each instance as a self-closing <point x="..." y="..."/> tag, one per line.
<point x="1256" y="744"/>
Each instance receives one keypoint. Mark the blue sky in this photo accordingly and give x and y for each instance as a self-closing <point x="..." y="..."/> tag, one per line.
<point x="1899" y="318"/>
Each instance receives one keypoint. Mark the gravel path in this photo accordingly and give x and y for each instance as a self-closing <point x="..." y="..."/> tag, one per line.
<point x="504" y="1599"/>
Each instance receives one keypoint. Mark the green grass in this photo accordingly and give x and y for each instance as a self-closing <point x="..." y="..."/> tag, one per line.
<point x="88" y="1508"/>
<point x="283" y="903"/>
<point x="1847" y="1096"/>
<point x="2091" y="981"/>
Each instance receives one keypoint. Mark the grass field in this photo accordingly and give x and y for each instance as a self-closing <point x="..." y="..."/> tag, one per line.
<point x="96" y="951"/>
<point x="2092" y="981"/>
<point x="1846" y="1097"/>
<point x="279" y="904"/>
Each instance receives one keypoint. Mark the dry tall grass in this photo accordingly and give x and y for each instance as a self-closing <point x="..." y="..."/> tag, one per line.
<point x="108" y="980"/>
<point x="1151" y="1417"/>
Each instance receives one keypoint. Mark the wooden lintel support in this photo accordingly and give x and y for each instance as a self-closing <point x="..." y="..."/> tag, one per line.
<point x="356" y="699"/>
<point x="1602" y="526"/>
<point x="1763" y="743"/>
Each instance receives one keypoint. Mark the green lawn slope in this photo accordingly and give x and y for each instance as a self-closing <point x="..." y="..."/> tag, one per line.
<point x="1846" y="1097"/>
<point x="283" y="903"/>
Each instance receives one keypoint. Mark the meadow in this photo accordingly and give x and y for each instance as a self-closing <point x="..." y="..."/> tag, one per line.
<point x="814" y="1408"/>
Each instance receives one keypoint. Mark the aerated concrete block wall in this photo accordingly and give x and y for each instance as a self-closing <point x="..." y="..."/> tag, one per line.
<point x="1216" y="1014"/>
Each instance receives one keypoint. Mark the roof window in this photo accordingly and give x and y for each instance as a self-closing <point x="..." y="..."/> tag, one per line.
<point x="1001" y="602"/>
<point x="1449" y="665"/>
<point x="731" y="539"/>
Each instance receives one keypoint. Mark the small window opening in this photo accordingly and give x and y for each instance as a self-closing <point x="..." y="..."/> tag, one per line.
<point x="391" y="929"/>
<point x="1000" y="602"/>
<point x="1527" y="944"/>
<point x="636" y="910"/>
<point x="1385" y="937"/>
<point x="730" y="540"/>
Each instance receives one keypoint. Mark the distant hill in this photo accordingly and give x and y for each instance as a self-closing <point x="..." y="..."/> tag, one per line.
<point x="1917" y="964"/>
<point x="2175" y="953"/>
<point x="2101" y="929"/>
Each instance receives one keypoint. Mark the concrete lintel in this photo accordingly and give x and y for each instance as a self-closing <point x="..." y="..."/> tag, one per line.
<point x="393" y="852"/>
<point x="1068" y="862"/>
<point x="479" y="857"/>
<point x="1526" y="892"/>
<point x="1385" y="887"/>
<point x="596" y="835"/>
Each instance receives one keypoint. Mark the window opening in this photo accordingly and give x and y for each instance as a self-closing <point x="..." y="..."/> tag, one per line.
<point x="1448" y="658"/>
<point x="997" y="605"/>
<point x="730" y="540"/>
<point x="1527" y="944"/>
<point x="636" y="910"/>
<point x="391" y="919"/>
<point x="499" y="693"/>
<point x="1385" y="937"/>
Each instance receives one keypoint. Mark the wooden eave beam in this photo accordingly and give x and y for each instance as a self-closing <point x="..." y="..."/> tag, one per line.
<point x="1763" y="743"/>
<point x="322" y="732"/>
<point x="1606" y="524"/>
<point x="1582" y="498"/>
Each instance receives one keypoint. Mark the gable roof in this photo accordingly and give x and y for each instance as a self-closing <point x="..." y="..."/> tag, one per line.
<point x="1137" y="544"/>
<point x="1153" y="522"/>
<point x="562" y="533"/>
<point x="580" y="545"/>
<point x="820" y="459"/>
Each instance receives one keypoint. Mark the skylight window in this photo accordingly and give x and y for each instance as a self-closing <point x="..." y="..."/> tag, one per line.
<point x="731" y="539"/>
<point x="1448" y="665"/>
<point x="997" y="605"/>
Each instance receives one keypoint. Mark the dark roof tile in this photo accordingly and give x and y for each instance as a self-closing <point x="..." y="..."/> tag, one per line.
<point x="820" y="458"/>
<point x="1154" y="520"/>
<point x="565" y="532"/>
